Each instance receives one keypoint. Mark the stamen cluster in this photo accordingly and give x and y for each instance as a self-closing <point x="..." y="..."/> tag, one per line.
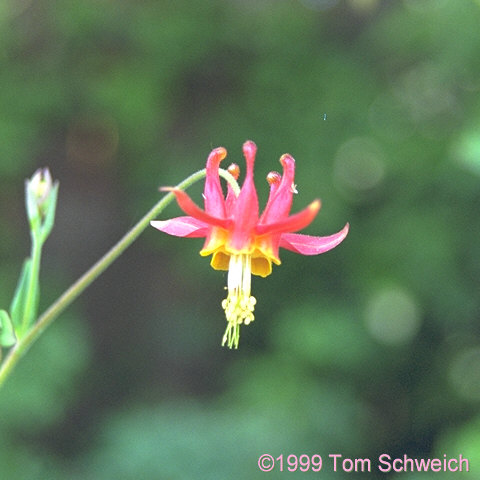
<point x="239" y="304"/>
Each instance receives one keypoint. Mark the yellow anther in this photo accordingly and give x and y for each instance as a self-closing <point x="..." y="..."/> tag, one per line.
<point x="239" y="304"/>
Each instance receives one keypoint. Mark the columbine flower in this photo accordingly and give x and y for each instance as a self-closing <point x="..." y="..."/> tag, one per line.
<point x="238" y="238"/>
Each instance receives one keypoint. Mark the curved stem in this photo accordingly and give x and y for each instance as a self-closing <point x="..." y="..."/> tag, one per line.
<point x="24" y="343"/>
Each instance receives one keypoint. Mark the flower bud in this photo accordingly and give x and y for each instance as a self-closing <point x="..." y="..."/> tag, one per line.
<point x="40" y="186"/>
<point x="41" y="197"/>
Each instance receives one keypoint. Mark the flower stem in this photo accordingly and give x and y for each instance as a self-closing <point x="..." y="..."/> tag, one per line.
<point x="47" y="318"/>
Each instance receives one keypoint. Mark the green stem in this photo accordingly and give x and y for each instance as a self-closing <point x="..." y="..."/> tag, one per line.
<point x="24" y="343"/>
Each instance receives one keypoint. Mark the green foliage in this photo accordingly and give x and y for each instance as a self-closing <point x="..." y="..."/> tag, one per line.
<point x="37" y="397"/>
<point x="17" y="308"/>
<point x="7" y="332"/>
<point x="122" y="97"/>
<point x="38" y="393"/>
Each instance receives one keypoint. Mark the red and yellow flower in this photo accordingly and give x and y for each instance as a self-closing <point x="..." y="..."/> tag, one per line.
<point x="241" y="240"/>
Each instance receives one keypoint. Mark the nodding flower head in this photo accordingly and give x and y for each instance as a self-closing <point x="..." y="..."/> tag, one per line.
<point x="239" y="238"/>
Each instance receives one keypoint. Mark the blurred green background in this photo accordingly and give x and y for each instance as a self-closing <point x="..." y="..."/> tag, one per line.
<point x="371" y="348"/>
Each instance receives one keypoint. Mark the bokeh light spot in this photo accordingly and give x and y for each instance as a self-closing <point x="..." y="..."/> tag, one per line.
<point x="359" y="165"/>
<point x="464" y="373"/>
<point x="392" y="316"/>
<point x="466" y="151"/>
<point x="426" y="93"/>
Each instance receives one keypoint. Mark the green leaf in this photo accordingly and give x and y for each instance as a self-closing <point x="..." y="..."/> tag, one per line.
<point x="50" y="213"/>
<point x="18" y="303"/>
<point x="7" y="333"/>
<point x="33" y="212"/>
